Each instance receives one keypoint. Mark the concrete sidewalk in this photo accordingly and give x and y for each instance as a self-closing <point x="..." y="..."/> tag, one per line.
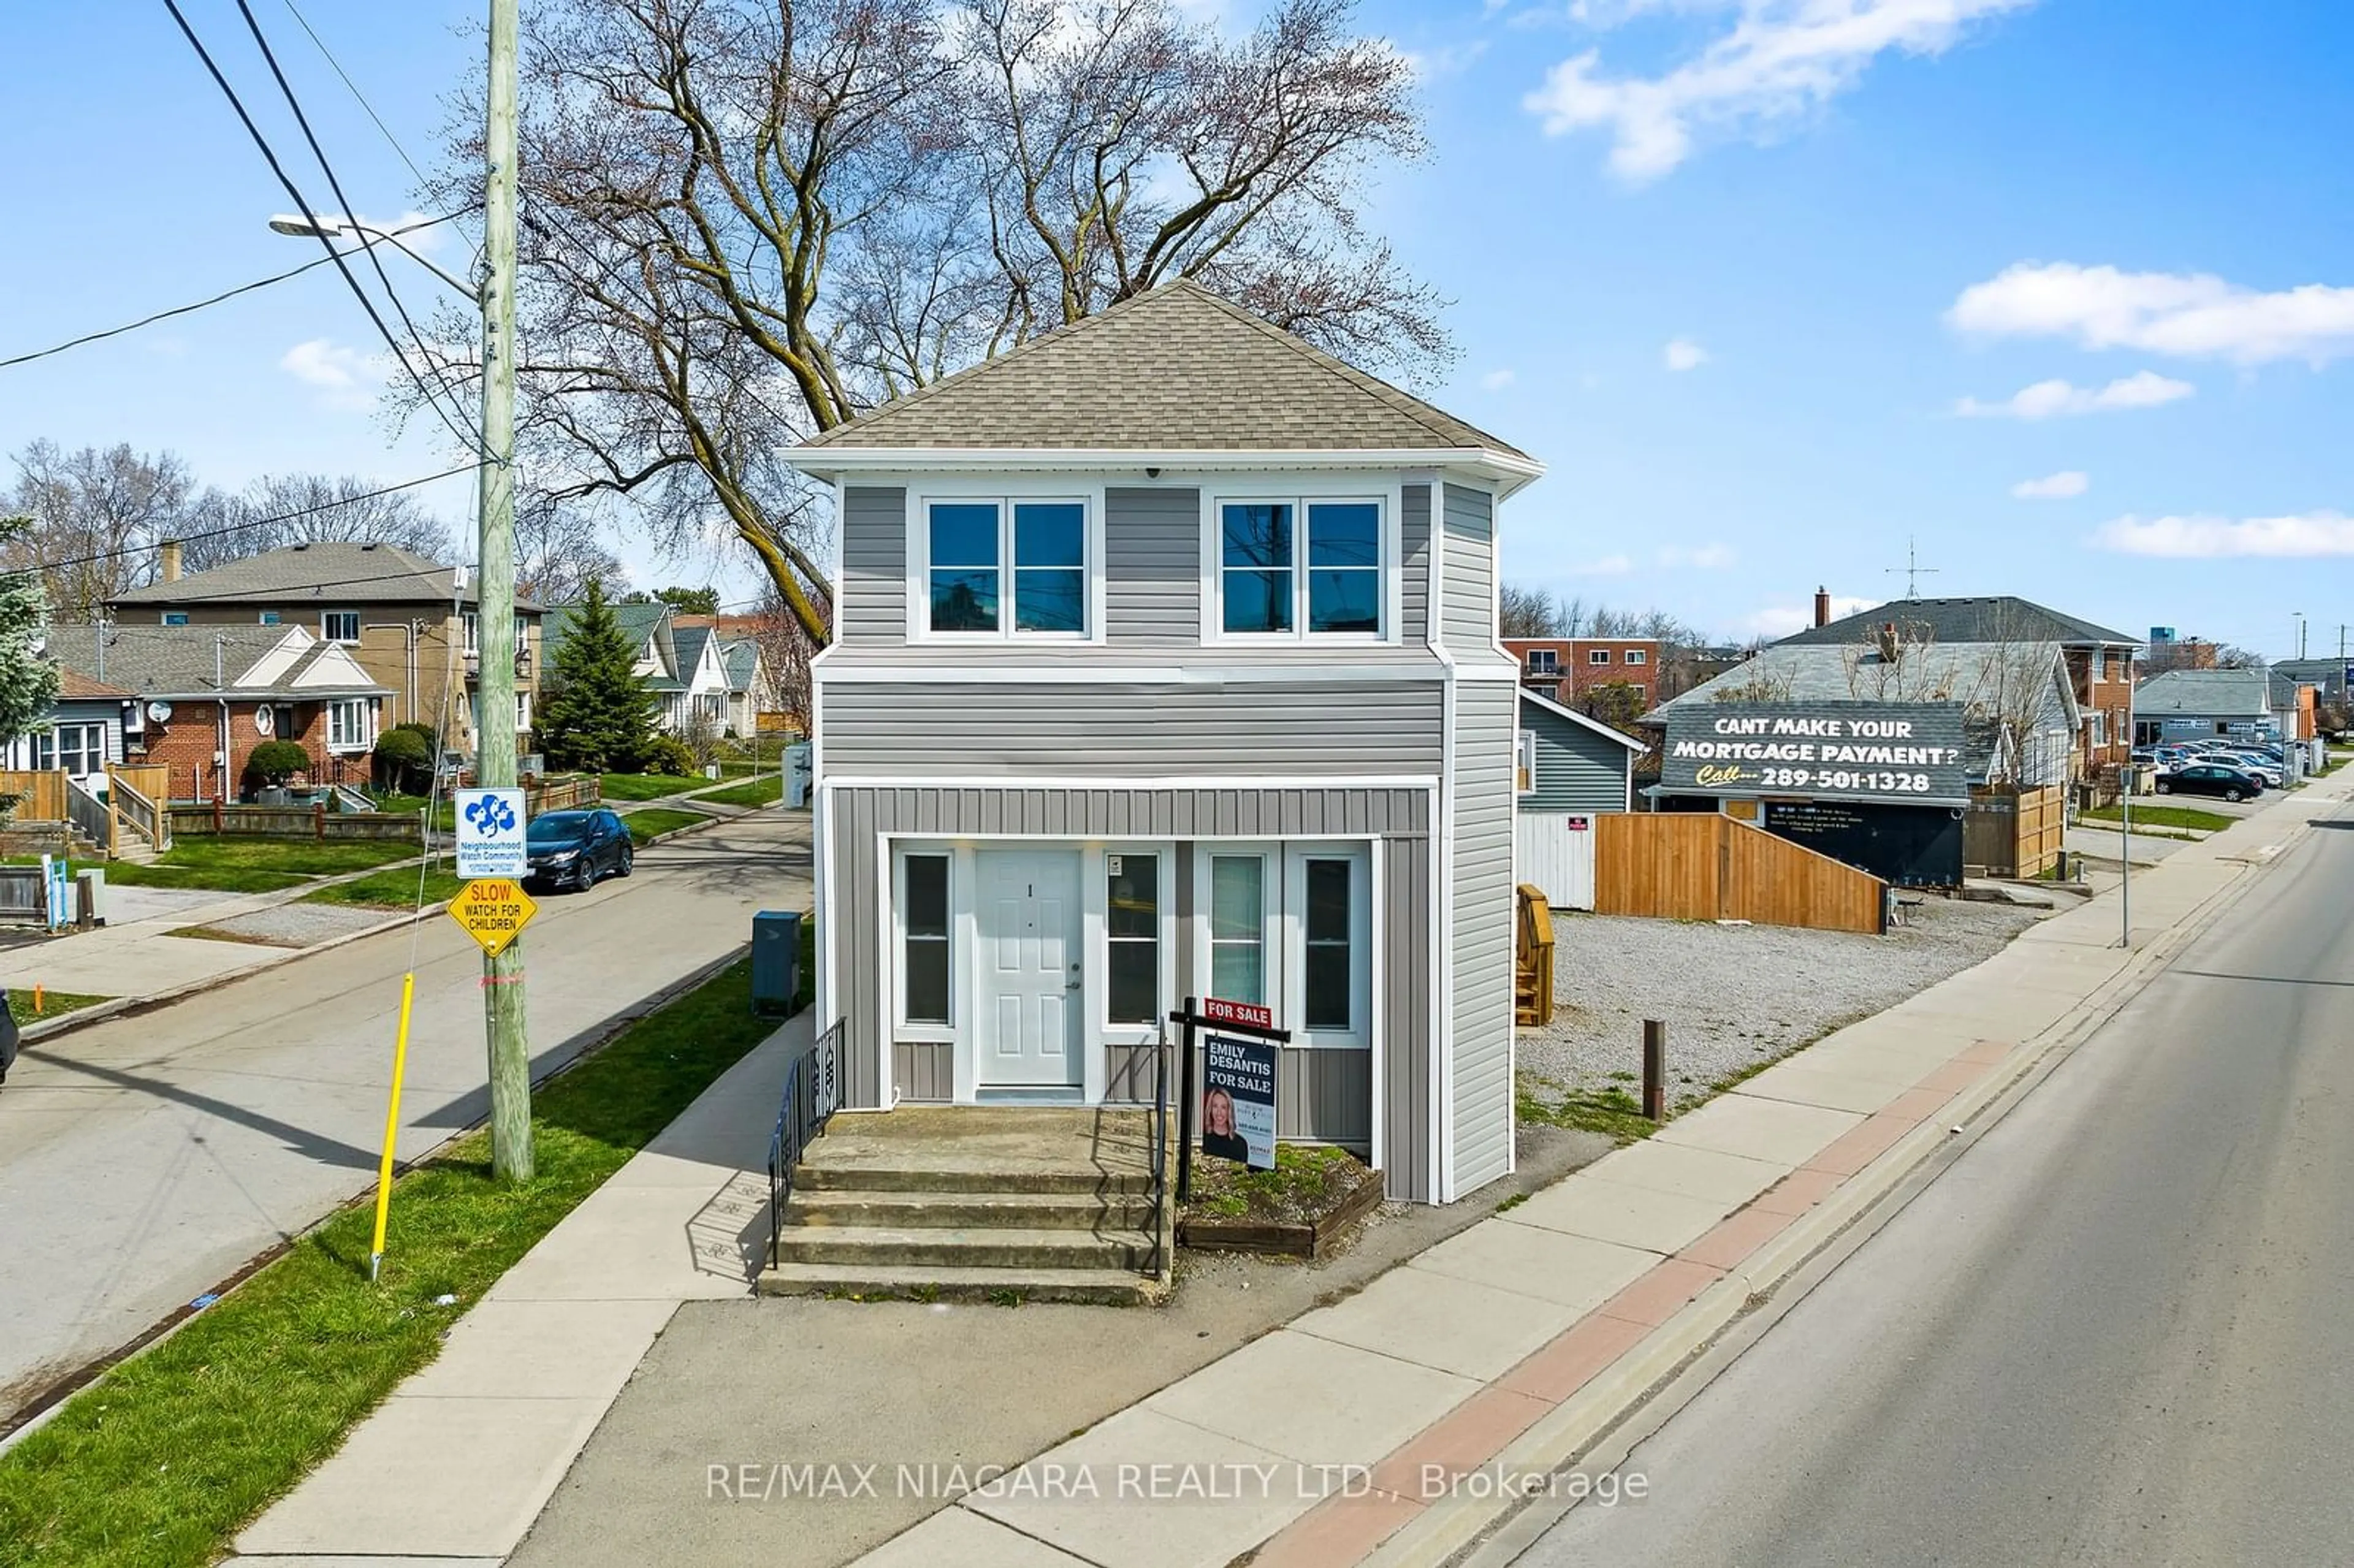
<point x="460" y="1460"/>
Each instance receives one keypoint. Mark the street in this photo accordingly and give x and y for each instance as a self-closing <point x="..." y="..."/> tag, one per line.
<point x="2114" y="1331"/>
<point x="145" y="1159"/>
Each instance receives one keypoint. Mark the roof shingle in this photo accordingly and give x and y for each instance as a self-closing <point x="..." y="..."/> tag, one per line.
<point x="331" y="571"/>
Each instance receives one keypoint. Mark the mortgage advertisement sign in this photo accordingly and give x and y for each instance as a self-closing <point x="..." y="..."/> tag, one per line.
<point x="1238" y="1100"/>
<point x="491" y="833"/>
<point x="1901" y="753"/>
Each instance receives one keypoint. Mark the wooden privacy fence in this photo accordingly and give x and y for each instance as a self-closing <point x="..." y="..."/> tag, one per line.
<point x="40" y="797"/>
<point x="297" y="822"/>
<point x="1700" y="866"/>
<point x="2014" y="832"/>
<point x="1556" y="852"/>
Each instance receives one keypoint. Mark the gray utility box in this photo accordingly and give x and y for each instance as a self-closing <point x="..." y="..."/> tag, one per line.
<point x="776" y="960"/>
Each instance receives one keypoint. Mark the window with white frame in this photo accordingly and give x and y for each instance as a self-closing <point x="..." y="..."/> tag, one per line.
<point x="1544" y="661"/>
<point x="1131" y="939"/>
<point x="176" y="618"/>
<point x="1525" y="765"/>
<point x="351" y="724"/>
<point x="1006" y="568"/>
<point x="924" y="964"/>
<point x="1597" y="655"/>
<point x="1238" y="927"/>
<point x="1308" y="568"/>
<point x="1328" y="946"/>
<point x="268" y="618"/>
<point x="339" y="625"/>
<point x="1638" y="656"/>
<point x="76" y="748"/>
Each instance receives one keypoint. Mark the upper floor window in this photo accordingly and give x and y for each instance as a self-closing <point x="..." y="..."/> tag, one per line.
<point x="1001" y="567"/>
<point x="268" y="617"/>
<point x="1288" y="568"/>
<point x="176" y="618"/>
<point x="1597" y="655"/>
<point x="340" y="625"/>
<point x="1544" y="662"/>
<point x="1637" y="656"/>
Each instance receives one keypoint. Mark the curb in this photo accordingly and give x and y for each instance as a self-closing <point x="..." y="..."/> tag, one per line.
<point x="1440" y="1534"/>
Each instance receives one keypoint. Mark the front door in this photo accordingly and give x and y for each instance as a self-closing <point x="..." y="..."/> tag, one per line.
<point x="1030" y="977"/>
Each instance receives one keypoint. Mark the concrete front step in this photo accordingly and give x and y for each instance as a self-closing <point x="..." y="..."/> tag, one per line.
<point x="811" y="1176"/>
<point x="1010" y="1246"/>
<point x="1086" y="1287"/>
<point x="896" y="1210"/>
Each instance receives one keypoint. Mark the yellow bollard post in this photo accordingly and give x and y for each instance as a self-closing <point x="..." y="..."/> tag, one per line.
<point x="39" y="1002"/>
<point x="391" y="1127"/>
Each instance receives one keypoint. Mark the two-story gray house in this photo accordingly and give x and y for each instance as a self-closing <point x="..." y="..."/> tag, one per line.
<point x="1167" y="665"/>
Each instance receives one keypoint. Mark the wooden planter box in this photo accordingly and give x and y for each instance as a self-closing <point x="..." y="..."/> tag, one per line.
<point x="1211" y="1234"/>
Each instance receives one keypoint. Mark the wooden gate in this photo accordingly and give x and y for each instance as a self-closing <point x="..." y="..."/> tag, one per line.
<point x="2014" y="832"/>
<point x="1700" y="866"/>
<point x="40" y="797"/>
<point x="1556" y="854"/>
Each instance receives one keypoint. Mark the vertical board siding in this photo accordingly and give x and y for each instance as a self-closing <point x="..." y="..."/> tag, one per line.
<point x="1152" y="565"/>
<point x="1413" y="563"/>
<point x="874" y="564"/>
<point x="1696" y="865"/>
<point x="1485" y="911"/>
<point x="1407" y="969"/>
<point x="924" y="1070"/>
<point x="1320" y="1095"/>
<point x="1556" y="859"/>
<point x="857" y="900"/>
<point x="1352" y="813"/>
<point x="1578" y="770"/>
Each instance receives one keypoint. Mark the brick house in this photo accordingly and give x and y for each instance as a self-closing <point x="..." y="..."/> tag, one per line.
<point x="405" y="620"/>
<point x="202" y="698"/>
<point x="1559" y="669"/>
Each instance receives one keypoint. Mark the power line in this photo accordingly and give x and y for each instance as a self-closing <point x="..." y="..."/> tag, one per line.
<point x="328" y="54"/>
<point x="269" y="155"/>
<point x="205" y="303"/>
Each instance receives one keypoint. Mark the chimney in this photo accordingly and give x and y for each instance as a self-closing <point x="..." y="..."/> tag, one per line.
<point x="169" y="553"/>
<point x="1823" y="607"/>
<point x="1890" y="642"/>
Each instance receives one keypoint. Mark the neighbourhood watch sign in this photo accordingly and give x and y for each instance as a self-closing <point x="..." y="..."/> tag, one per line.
<point x="1900" y="753"/>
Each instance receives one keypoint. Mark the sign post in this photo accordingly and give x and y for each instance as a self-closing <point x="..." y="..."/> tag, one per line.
<point x="1241" y="1070"/>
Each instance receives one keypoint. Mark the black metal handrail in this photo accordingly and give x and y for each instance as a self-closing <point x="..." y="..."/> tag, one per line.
<point x="812" y="1089"/>
<point x="1159" y="1153"/>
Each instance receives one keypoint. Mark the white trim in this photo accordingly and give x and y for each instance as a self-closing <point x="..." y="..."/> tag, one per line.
<point x="1442" y="1043"/>
<point x="1376" y="1102"/>
<point x="1274" y="669"/>
<point x="1510" y="470"/>
<point x="896" y="1019"/>
<point x="1272" y="490"/>
<point x="1523" y="768"/>
<point x="1596" y="726"/>
<point x="1102" y="1036"/>
<point x="918" y="499"/>
<point x="1293" y="924"/>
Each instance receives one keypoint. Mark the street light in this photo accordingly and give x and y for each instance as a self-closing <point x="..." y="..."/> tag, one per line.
<point x="317" y="227"/>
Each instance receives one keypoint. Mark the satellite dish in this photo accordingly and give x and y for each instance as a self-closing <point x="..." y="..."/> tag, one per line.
<point x="160" y="712"/>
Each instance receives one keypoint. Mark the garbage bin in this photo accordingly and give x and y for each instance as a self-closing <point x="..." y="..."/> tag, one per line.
<point x="776" y="960"/>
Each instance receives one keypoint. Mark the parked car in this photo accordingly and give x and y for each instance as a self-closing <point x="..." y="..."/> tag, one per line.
<point x="2211" y="778"/>
<point x="574" y="849"/>
<point x="2252" y="762"/>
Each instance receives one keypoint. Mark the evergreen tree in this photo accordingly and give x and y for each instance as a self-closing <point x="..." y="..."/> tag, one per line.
<point x="28" y="682"/>
<point x="596" y="714"/>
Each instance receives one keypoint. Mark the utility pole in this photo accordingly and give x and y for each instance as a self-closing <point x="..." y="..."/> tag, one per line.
<point x="494" y="727"/>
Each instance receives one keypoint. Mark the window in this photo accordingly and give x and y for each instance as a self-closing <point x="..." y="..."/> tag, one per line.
<point x="1132" y="937"/>
<point x="1287" y="568"/>
<point x="2100" y="722"/>
<point x="1525" y="767"/>
<point x="176" y="618"/>
<point x="967" y="546"/>
<point x="963" y="555"/>
<point x="523" y="710"/>
<point x="351" y="724"/>
<point x="76" y="748"/>
<point x="1328" y="990"/>
<point x="1597" y="655"/>
<point x="1544" y="661"/>
<point x="924" y="958"/>
<point x="340" y="625"/>
<point x="466" y="621"/>
<point x="1050" y="562"/>
<point x="268" y="617"/>
<point x="1238" y="927"/>
<point x="1637" y="656"/>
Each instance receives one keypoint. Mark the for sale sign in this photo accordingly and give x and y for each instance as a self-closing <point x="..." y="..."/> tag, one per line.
<point x="1247" y="1014"/>
<point x="1238" y="1101"/>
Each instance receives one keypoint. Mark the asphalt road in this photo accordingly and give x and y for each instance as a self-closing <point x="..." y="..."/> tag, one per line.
<point x="2119" y="1330"/>
<point x="143" y="1160"/>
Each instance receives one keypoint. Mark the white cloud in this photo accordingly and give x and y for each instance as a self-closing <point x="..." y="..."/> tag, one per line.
<point x="1683" y="353"/>
<point x="1445" y="60"/>
<point x="1781" y="619"/>
<point x="348" y="379"/>
<point x="2044" y="399"/>
<point x="1703" y="557"/>
<point x="1781" y="59"/>
<point x="2303" y="534"/>
<point x="1607" y="566"/>
<point x="1495" y="380"/>
<point x="2058" y="486"/>
<point x="2192" y="315"/>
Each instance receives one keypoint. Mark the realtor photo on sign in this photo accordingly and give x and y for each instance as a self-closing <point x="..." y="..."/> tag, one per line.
<point x="1239" y="1102"/>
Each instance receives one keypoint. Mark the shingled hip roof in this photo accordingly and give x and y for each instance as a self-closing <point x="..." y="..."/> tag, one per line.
<point x="1176" y="369"/>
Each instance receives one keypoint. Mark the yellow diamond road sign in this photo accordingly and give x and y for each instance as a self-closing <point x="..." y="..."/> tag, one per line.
<point x="493" y="911"/>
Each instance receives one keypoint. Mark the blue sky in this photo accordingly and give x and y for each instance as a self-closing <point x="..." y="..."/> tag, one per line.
<point x="1771" y="285"/>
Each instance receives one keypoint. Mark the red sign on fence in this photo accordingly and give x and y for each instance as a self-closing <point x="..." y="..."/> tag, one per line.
<point x="1218" y="1010"/>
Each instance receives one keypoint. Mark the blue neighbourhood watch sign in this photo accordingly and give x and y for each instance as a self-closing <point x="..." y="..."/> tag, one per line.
<point x="491" y="833"/>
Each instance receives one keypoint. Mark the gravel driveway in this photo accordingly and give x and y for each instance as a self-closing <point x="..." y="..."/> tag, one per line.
<point x="1733" y="997"/>
<point x="300" y="925"/>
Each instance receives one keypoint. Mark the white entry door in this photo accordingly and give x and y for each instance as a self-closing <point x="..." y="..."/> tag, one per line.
<point x="1030" y="974"/>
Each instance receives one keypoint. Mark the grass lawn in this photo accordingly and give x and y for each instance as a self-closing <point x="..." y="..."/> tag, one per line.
<point x="163" y="1458"/>
<point x="54" y="1005"/>
<point x="162" y="873"/>
<point x="391" y="889"/>
<point x="765" y="791"/>
<point x="651" y="823"/>
<point x="2164" y="817"/>
<point x="445" y="817"/>
<point x="647" y="786"/>
<point x="1613" y="1112"/>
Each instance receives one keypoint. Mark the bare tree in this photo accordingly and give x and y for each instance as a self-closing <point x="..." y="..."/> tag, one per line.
<point x="747" y="221"/>
<point x="786" y="649"/>
<point x="1526" y="613"/>
<point x="97" y="516"/>
<point x="279" y="510"/>
<point x="559" y="551"/>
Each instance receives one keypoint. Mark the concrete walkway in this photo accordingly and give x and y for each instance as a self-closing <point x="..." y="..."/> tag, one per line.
<point x="1348" y="1435"/>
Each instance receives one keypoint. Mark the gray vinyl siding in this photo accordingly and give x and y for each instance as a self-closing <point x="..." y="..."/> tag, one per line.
<point x="1320" y="1095"/>
<point x="1467" y="613"/>
<point x="874" y="606"/>
<point x="1578" y="770"/>
<point x="107" y="711"/>
<point x="1409" y="966"/>
<point x="1152" y="566"/>
<point x="1111" y="813"/>
<point x="1483" y="911"/>
<point x="924" y="1070"/>
<point x="1413" y="564"/>
<point x="875" y="729"/>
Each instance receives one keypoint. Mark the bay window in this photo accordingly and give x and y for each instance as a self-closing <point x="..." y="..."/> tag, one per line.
<point x="351" y="724"/>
